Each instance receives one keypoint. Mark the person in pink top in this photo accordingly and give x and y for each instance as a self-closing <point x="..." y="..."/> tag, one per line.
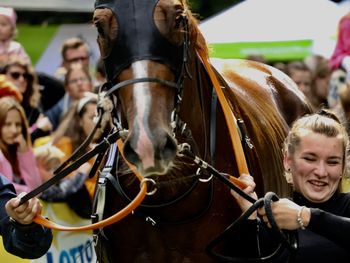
<point x="341" y="54"/>
<point x="17" y="160"/>
<point x="8" y="47"/>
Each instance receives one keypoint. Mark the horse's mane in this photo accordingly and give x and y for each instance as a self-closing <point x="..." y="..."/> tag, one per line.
<point x="266" y="128"/>
<point x="259" y="110"/>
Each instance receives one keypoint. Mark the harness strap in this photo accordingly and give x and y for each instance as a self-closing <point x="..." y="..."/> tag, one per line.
<point x="63" y="173"/>
<point x="39" y="219"/>
<point x="139" y="80"/>
<point x="231" y="121"/>
<point x="214" y="103"/>
<point x="288" y="238"/>
<point x="100" y="195"/>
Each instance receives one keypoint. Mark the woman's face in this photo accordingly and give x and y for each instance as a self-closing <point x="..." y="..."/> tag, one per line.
<point x="316" y="166"/>
<point x="78" y="83"/>
<point x="18" y="76"/>
<point x="12" y="127"/>
<point x="87" y="120"/>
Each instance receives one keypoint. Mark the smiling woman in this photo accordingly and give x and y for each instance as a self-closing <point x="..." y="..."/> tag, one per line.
<point x="315" y="161"/>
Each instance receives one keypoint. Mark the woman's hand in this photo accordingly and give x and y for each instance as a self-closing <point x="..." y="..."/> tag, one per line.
<point x="249" y="190"/>
<point x="285" y="213"/>
<point x="25" y="213"/>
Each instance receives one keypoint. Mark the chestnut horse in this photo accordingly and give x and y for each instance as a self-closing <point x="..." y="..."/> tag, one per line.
<point x="157" y="78"/>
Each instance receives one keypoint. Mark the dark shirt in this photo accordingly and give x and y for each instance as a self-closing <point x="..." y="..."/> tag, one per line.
<point x="56" y="112"/>
<point x="25" y="241"/>
<point x="51" y="90"/>
<point x="326" y="238"/>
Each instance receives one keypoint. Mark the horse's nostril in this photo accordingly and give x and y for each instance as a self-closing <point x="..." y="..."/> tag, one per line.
<point x="170" y="148"/>
<point x="130" y="153"/>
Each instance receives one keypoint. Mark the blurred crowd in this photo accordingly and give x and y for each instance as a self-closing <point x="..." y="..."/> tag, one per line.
<point x="44" y="118"/>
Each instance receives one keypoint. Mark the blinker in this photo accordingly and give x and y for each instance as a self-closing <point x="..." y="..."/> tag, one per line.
<point x="138" y="37"/>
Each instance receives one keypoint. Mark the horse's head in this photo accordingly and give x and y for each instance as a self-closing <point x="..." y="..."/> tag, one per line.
<point x="143" y="44"/>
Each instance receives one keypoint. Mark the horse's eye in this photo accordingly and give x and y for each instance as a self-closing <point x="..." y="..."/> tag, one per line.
<point x="178" y="21"/>
<point x="99" y="28"/>
<point x="179" y="17"/>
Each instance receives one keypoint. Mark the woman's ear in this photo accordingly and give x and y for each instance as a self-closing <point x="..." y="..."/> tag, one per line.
<point x="287" y="164"/>
<point x="286" y="161"/>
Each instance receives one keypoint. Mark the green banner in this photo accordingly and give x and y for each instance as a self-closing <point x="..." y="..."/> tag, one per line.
<point x="272" y="51"/>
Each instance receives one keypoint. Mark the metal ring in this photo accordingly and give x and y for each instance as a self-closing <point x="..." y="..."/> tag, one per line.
<point x="145" y="180"/>
<point x="206" y="180"/>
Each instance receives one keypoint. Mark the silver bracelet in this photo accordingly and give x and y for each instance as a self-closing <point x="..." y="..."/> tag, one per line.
<point x="299" y="219"/>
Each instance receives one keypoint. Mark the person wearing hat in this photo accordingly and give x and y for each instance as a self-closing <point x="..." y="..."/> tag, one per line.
<point x="8" y="46"/>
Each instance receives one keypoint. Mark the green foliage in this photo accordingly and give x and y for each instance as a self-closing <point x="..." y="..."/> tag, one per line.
<point x="35" y="38"/>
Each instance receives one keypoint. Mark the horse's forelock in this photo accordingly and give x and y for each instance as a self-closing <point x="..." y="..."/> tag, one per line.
<point x="196" y="36"/>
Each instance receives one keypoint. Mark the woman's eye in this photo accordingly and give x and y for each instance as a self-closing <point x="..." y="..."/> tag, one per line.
<point x="309" y="159"/>
<point x="332" y="163"/>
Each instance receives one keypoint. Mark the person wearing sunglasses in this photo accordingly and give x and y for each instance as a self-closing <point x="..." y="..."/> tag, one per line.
<point x="23" y="76"/>
<point x="73" y="51"/>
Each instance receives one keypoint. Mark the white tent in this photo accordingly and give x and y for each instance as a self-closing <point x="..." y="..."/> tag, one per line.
<point x="276" y="29"/>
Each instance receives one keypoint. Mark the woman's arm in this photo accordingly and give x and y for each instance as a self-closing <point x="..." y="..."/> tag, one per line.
<point x="335" y="228"/>
<point x="27" y="240"/>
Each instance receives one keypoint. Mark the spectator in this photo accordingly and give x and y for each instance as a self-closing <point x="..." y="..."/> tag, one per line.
<point x="337" y="80"/>
<point x="74" y="51"/>
<point x="51" y="90"/>
<point x="7" y="88"/>
<point x="341" y="54"/>
<point x="77" y="82"/>
<point x="321" y="75"/>
<point x="23" y="76"/>
<point x="20" y="236"/>
<point x="8" y="47"/>
<point x="302" y="76"/>
<point x="17" y="161"/>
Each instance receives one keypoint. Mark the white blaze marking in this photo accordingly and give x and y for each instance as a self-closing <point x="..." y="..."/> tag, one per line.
<point x="142" y="99"/>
